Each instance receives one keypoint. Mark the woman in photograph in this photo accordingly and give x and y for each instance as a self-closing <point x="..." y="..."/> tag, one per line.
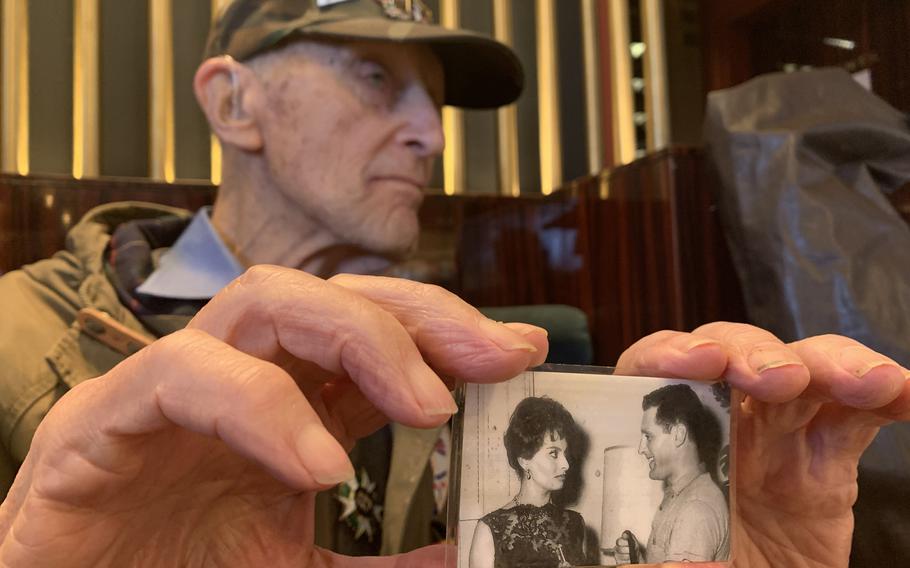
<point x="530" y="530"/>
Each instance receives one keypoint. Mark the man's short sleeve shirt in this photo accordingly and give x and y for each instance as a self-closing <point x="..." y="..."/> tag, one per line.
<point x="692" y="526"/>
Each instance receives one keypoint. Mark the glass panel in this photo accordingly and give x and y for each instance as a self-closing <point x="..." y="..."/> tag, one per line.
<point x="481" y="163"/>
<point x="192" y="141"/>
<point x="50" y="29"/>
<point x="525" y="21"/>
<point x="125" y="88"/>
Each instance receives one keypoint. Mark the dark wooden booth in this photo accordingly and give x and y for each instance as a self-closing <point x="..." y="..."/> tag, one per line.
<point x="637" y="248"/>
<point x="746" y="38"/>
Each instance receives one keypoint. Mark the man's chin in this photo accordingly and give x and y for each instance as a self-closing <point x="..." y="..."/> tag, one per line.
<point x="366" y="265"/>
<point x="398" y="240"/>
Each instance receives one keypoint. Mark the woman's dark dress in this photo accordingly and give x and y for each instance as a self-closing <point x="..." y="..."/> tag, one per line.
<point x="526" y="536"/>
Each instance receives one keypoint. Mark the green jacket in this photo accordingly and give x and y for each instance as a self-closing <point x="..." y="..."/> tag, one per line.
<point x="44" y="353"/>
<point x="42" y="349"/>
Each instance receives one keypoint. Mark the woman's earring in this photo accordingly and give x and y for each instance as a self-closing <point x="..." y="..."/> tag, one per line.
<point x="528" y="474"/>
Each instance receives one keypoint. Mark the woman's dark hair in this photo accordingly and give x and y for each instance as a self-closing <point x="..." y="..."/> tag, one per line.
<point x="532" y="420"/>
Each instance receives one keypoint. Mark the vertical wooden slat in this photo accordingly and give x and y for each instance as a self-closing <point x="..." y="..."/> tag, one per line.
<point x="15" y="136"/>
<point x="593" y="98"/>
<point x="507" y="116"/>
<point x="657" y="102"/>
<point x="623" y="125"/>
<point x="216" y="160"/>
<point x="548" y="98"/>
<point x="86" y="157"/>
<point x="608" y="155"/>
<point x="453" y="162"/>
<point x="161" y="54"/>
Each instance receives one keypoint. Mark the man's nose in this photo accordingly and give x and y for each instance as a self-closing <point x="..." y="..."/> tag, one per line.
<point x="422" y="132"/>
<point x="642" y="446"/>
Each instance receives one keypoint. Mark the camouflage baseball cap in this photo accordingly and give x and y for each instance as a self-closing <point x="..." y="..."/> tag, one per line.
<point x="479" y="71"/>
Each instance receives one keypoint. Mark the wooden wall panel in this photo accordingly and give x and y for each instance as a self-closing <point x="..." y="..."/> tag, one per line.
<point x="36" y="212"/>
<point x="889" y="36"/>
<point x="124" y="68"/>
<point x="750" y="37"/>
<point x="644" y="255"/>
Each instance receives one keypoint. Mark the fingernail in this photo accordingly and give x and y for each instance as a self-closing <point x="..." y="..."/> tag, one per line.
<point x="867" y="368"/>
<point x="505" y="338"/>
<point x="773" y="365"/>
<point x="432" y="395"/>
<point x="857" y="360"/>
<point x="526" y="329"/>
<point x="695" y="344"/>
<point x="324" y="457"/>
<point x="334" y="479"/>
<point x="442" y="410"/>
<point x="761" y="361"/>
<point x="538" y="359"/>
<point x="446" y="411"/>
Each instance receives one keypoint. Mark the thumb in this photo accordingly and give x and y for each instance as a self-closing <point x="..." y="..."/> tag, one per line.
<point x="427" y="557"/>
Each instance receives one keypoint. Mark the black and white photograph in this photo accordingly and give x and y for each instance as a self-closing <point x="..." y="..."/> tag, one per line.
<point x="561" y="469"/>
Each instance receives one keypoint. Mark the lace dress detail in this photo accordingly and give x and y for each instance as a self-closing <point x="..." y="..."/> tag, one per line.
<point x="526" y="536"/>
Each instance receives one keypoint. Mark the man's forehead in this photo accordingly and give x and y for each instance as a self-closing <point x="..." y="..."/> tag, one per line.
<point x="414" y="53"/>
<point x="649" y="417"/>
<point x="418" y="60"/>
<point x="422" y="55"/>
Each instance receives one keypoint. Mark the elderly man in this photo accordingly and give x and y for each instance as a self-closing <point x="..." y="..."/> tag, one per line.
<point x="680" y="438"/>
<point x="208" y="446"/>
<point x="329" y="116"/>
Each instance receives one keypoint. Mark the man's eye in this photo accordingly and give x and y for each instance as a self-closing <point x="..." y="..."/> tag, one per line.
<point x="374" y="73"/>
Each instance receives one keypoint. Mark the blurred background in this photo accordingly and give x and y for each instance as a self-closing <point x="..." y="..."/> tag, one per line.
<point x="103" y="88"/>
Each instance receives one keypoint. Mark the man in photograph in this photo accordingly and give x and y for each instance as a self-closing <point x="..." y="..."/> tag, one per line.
<point x="681" y="438"/>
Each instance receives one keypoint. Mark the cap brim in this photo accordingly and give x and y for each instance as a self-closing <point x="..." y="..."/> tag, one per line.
<point x="479" y="72"/>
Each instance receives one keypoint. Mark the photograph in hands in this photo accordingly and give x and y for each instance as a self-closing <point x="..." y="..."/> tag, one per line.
<point x="573" y="466"/>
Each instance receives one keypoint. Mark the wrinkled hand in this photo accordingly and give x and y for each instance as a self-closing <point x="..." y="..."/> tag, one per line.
<point x="208" y="447"/>
<point x="811" y="408"/>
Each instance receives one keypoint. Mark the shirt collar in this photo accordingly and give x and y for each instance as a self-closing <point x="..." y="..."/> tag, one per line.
<point x="197" y="267"/>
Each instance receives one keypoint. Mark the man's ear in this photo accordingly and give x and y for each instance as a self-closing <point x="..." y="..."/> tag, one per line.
<point x="227" y="92"/>
<point x="680" y="434"/>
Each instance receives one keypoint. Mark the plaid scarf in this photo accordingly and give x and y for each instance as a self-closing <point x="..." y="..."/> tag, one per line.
<point x="131" y="256"/>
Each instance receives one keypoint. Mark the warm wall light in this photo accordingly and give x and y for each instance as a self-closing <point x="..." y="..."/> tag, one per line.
<point x="452" y="119"/>
<point x="621" y="68"/>
<point x="15" y="135"/>
<point x="507" y="116"/>
<point x="161" y="66"/>
<point x="85" y="89"/>
<point x="216" y="161"/>
<point x="657" y="99"/>
<point x="840" y="43"/>
<point x="216" y="157"/>
<point x="593" y="98"/>
<point x="548" y="98"/>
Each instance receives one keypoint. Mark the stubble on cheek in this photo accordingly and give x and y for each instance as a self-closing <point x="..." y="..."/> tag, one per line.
<point x="310" y="134"/>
